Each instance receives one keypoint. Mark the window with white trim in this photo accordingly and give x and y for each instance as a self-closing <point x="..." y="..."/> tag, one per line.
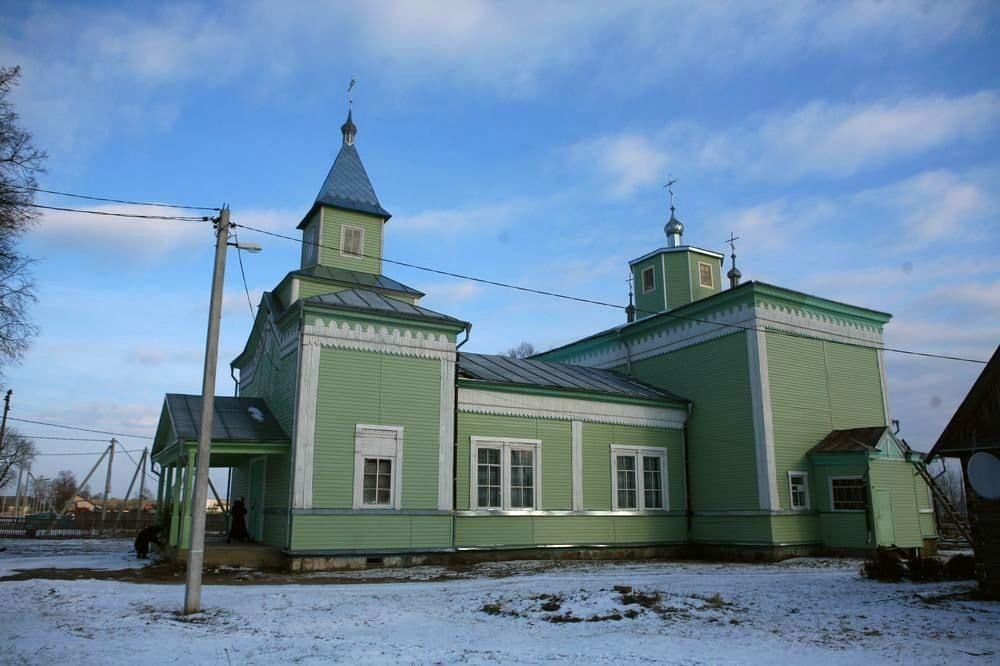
<point x="638" y="479"/>
<point x="648" y="280"/>
<point x="798" y="490"/>
<point x="705" y="275"/>
<point x="352" y="241"/>
<point x="848" y="493"/>
<point x="378" y="460"/>
<point x="505" y="474"/>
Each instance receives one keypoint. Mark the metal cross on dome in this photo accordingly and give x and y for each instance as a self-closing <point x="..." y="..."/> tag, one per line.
<point x="350" y="94"/>
<point x="670" y="188"/>
<point x="732" y="241"/>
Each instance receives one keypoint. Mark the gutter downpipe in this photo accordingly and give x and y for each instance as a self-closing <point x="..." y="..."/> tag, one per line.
<point x="687" y="473"/>
<point x="454" y="450"/>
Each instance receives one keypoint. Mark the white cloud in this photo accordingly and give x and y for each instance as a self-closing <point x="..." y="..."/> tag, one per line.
<point x="623" y="163"/>
<point x="489" y="217"/>
<point x="452" y="292"/>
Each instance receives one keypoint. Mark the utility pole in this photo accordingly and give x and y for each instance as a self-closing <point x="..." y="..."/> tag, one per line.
<point x="107" y="481"/>
<point x="142" y="487"/>
<point x="6" y="408"/>
<point x="196" y="554"/>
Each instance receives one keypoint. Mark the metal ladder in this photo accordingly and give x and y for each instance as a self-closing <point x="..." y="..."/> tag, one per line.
<point x="938" y="494"/>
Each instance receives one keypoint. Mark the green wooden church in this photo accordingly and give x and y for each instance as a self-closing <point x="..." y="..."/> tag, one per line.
<point x="749" y="420"/>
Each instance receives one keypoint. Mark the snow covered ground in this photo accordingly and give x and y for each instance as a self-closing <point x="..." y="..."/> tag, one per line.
<point x="815" y="610"/>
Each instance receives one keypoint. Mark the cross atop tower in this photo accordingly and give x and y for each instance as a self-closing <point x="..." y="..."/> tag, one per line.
<point x="734" y="274"/>
<point x="350" y="93"/>
<point x="670" y="188"/>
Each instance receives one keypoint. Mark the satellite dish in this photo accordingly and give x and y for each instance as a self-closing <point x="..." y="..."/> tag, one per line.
<point x="983" y="471"/>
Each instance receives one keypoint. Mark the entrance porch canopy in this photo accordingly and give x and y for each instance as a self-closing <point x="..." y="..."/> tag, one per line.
<point x="241" y="427"/>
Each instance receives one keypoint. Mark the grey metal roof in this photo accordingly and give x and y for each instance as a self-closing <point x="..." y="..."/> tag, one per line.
<point x="362" y="300"/>
<point x="236" y="419"/>
<point x="356" y="277"/>
<point x="347" y="185"/>
<point x="852" y="440"/>
<point x="547" y="374"/>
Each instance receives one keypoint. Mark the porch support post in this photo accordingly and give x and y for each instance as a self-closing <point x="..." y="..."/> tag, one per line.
<point x="186" y="511"/>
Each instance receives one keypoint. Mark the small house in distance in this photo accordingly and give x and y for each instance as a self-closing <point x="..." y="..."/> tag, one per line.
<point x="748" y="421"/>
<point x="973" y="436"/>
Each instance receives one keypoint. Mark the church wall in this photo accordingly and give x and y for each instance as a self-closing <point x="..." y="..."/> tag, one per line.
<point x="676" y="279"/>
<point x="652" y="301"/>
<point x="329" y="252"/>
<point x="817" y="386"/>
<point x="555" y="522"/>
<point x="714" y="375"/>
<point x="839" y="529"/>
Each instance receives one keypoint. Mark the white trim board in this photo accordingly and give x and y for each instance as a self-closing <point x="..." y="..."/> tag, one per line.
<point x="760" y="400"/>
<point x="304" y="425"/>
<point x="446" y="436"/>
<point x="483" y="401"/>
<point x="380" y="338"/>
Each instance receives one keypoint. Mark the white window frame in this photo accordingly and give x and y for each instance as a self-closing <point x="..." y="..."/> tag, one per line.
<point x="642" y="277"/>
<point x="378" y="441"/>
<point x="640" y="452"/>
<point x="854" y="477"/>
<point x="506" y="445"/>
<point x="343" y="237"/>
<point x="805" y="490"/>
<point x="711" y="276"/>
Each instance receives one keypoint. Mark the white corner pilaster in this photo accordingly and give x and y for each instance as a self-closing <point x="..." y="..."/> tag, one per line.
<point x="304" y="433"/>
<point x="576" y="453"/>
<point x="446" y="450"/>
<point x="880" y="358"/>
<point x="760" y="396"/>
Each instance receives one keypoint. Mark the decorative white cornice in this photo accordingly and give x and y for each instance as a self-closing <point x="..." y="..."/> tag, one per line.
<point x="379" y="338"/>
<point x="679" y="333"/>
<point x="271" y="338"/>
<point x="500" y="403"/>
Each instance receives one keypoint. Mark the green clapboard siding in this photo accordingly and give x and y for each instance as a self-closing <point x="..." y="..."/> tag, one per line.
<point x="796" y="529"/>
<point x="309" y="288"/>
<point x="731" y="529"/>
<point x="333" y="220"/>
<point x="580" y="530"/>
<point x="376" y="389"/>
<point x="721" y="445"/>
<point x="896" y="476"/>
<point x="698" y="291"/>
<point x="652" y="301"/>
<point x="370" y="532"/>
<point x="838" y="529"/>
<point x="677" y="277"/>
<point x="816" y="387"/>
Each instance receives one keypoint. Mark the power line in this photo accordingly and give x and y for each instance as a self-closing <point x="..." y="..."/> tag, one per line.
<point x="137" y="216"/>
<point x="122" y="201"/>
<point x="253" y="314"/>
<point x="69" y="427"/>
<point x="82" y="453"/>
<point x="590" y="301"/>
<point x="66" y="439"/>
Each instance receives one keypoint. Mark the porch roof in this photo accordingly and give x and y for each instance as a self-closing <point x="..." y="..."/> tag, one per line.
<point x="239" y="426"/>
<point x="852" y="440"/>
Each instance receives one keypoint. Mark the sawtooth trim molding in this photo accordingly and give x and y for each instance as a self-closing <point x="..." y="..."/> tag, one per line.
<point x="380" y="339"/>
<point x="763" y="426"/>
<point x="683" y="333"/>
<point x="478" y="401"/>
<point x="304" y="434"/>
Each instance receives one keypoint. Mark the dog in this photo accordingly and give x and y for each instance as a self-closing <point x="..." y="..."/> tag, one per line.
<point x="144" y="538"/>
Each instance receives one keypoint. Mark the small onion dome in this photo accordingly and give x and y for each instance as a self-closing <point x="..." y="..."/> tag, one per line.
<point x="734" y="273"/>
<point x="349" y="129"/>
<point x="674" y="225"/>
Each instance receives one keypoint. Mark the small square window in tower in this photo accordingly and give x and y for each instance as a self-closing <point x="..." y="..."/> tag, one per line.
<point x="705" y="275"/>
<point x="648" y="280"/>
<point x="352" y="241"/>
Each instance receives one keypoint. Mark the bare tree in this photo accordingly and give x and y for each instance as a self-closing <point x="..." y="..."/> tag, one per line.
<point x="20" y="162"/>
<point x="15" y="452"/>
<point x="523" y="350"/>
<point x="64" y="487"/>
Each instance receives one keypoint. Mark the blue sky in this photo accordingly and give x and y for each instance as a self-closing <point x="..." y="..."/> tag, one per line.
<point x="852" y="146"/>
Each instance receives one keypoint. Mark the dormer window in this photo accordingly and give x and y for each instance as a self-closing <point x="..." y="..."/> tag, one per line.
<point x="648" y="280"/>
<point x="705" y="275"/>
<point x="352" y="241"/>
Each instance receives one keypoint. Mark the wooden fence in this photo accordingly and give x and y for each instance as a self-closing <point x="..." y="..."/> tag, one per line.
<point x="90" y="525"/>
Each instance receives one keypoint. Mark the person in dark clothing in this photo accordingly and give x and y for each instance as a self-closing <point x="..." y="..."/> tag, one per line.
<point x="237" y="522"/>
<point x="144" y="538"/>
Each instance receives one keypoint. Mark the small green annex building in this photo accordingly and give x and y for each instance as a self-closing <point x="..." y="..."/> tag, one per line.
<point x="752" y="418"/>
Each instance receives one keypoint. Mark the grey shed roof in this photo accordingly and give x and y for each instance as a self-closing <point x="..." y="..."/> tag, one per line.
<point x="236" y="419"/>
<point x="853" y="440"/>
<point x="361" y="300"/>
<point x="357" y="277"/>
<point x="547" y="374"/>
